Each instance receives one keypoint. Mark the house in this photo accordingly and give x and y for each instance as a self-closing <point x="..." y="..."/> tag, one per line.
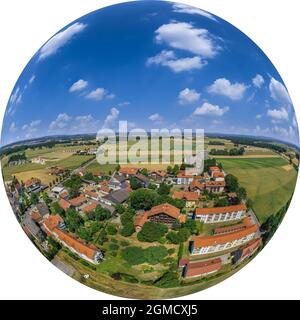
<point x="55" y="227"/>
<point x="143" y="180"/>
<point x="33" y="185"/>
<point x="164" y="213"/>
<point x="78" y="201"/>
<point x="32" y="228"/>
<point x="158" y="176"/>
<point x="39" y="212"/>
<point x="201" y="268"/>
<point x="116" y="182"/>
<point x="64" y="195"/>
<point x="243" y="253"/>
<point x="56" y="171"/>
<point x="90" y="207"/>
<point x="201" y="245"/>
<point x="215" y="186"/>
<point x="57" y="190"/>
<point x="220" y="214"/>
<point x="190" y="198"/>
<point x="128" y="172"/>
<point x="213" y="170"/>
<point x="197" y="186"/>
<point x="91" y="194"/>
<point x="39" y="160"/>
<point x="218" y="176"/>
<point x="183" y="178"/>
<point x="115" y="197"/>
<point x="64" y="204"/>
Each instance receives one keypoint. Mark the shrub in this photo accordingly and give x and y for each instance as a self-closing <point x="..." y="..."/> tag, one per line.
<point x="152" y="231"/>
<point x="133" y="255"/>
<point x="154" y="255"/>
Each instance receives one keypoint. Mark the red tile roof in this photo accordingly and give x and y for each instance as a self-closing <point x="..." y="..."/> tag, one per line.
<point x="182" y="174"/>
<point x="203" y="267"/>
<point x="32" y="181"/>
<point x="128" y="170"/>
<point x="251" y="247"/>
<point x="90" y="207"/>
<point x="78" y="200"/>
<point x="237" y="227"/>
<point x="52" y="222"/>
<point x="64" y="204"/>
<point x="187" y="195"/>
<point x="207" y="241"/>
<point x="166" y="208"/>
<point x="214" y="168"/>
<point x="182" y="218"/>
<point x="217" y="174"/>
<point x="195" y="184"/>
<point x="35" y="214"/>
<point x="73" y="242"/>
<point x="220" y="210"/>
<point x="212" y="184"/>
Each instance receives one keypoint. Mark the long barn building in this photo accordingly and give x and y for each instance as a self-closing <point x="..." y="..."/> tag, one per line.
<point x="221" y="214"/>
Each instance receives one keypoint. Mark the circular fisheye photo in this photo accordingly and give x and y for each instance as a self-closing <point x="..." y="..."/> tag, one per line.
<point x="149" y="150"/>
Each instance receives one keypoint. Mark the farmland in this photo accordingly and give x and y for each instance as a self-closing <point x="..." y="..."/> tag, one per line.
<point x="266" y="180"/>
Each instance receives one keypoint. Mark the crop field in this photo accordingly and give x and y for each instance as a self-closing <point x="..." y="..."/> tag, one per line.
<point x="266" y="180"/>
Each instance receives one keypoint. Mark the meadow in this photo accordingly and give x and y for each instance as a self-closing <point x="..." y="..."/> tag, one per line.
<point x="267" y="181"/>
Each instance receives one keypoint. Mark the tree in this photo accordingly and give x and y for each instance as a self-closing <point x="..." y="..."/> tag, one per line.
<point x="128" y="229"/>
<point x="102" y="214"/>
<point x="56" y="209"/>
<point x="191" y="225"/>
<point x="152" y="231"/>
<point x="172" y="236"/>
<point x="120" y="209"/>
<point x="111" y="229"/>
<point x="133" y="255"/>
<point x="143" y="199"/>
<point x="46" y="198"/>
<point x="145" y="172"/>
<point x="135" y="183"/>
<point x="73" y="185"/>
<point x="232" y="183"/>
<point x="155" y="255"/>
<point x="221" y="202"/>
<point x="183" y="234"/>
<point x="242" y="193"/>
<point x="167" y="280"/>
<point x="34" y="199"/>
<point x="73" y="220"/>
<point x="164" y="189"/>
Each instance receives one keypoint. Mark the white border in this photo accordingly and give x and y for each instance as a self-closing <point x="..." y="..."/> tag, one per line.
<point x="26" y="25"/>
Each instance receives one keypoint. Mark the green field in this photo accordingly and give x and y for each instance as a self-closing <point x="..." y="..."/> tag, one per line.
<point x="269" y="182"/>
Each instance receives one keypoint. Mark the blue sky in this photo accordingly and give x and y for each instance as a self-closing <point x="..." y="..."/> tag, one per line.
<point x="155" y="64"/>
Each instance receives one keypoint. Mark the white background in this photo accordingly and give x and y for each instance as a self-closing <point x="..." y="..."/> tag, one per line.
<point x="26" y="25"/>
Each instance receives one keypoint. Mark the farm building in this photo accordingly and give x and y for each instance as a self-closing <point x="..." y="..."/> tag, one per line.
<point x="163" y="213"/>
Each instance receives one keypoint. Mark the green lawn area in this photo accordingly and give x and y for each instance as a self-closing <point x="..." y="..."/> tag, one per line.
<point x="96" y="167"/>
<point x="266" y="180"/>
<point x="8" y="172"/>
<point x="73" y="161"/>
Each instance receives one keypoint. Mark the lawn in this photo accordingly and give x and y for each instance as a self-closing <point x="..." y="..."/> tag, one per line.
<point x="266" y="180"/>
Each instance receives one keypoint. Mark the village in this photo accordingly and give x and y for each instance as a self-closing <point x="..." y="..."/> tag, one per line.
<point x="181" y="227"/>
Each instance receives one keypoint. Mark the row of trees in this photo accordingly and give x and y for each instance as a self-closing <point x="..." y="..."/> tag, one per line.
<point x="226" y="152"/>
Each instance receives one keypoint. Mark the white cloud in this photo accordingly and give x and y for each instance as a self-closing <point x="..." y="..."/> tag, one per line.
<point x="187" y="96"/>
<point x="294" y="122"/>
<point x="258" y="116"/>
<point x="97" y="94"/>
<point x="85" y="123"/>
<point x="233" y="91"/>
<point x="155" y="117"/>
<point x="258" y="81"/>
<point x="16" y="96"/>
<point x="208" y="109"/>
<point x="168" y="59"/>
<point x="183" y="8"/>
<point x="278" y="114"/>
<point x="78" y="85"/>
<point x="61" y="122"/>
<point x="31" y="79"/>
<point x="111" y="118"/>
<point x="60" y="39"/>
<point x="31" y="128"/>
<point x="279" y="92"/>
<point x="110" y="96"/>
<point x="182" y="35"/>
<point x="123" y="104"/>
<point x="281" y="131"/>
<point x="13" y="127"/>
